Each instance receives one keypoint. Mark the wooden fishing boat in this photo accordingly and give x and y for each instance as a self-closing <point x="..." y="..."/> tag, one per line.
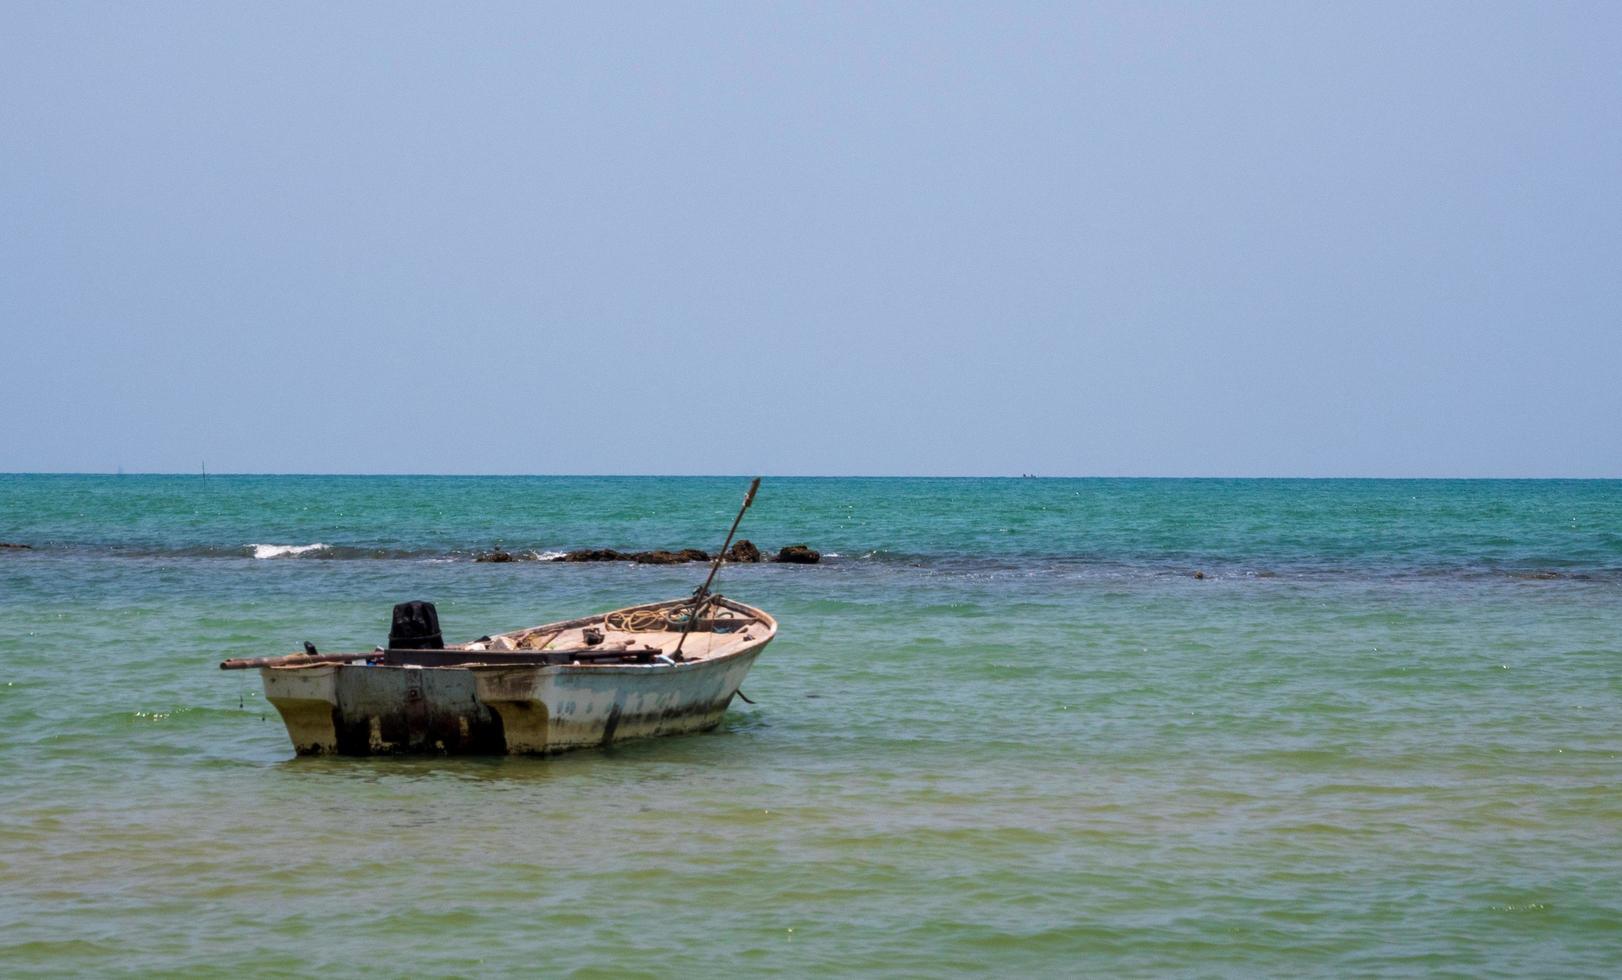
<point x="663" y="668"/>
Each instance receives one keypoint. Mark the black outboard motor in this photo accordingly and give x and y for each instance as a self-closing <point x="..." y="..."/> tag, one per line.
<point x="416" y="627"/>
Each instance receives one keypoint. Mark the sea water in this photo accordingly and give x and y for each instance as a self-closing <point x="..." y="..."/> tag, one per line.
<point x="1024" y="726"/>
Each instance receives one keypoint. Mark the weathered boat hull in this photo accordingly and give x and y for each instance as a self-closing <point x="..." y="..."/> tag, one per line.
<point x="368" y="709"/>
<point x="343" y="709"/>
<point x="346" y="709"/>
<point x="551" y="709"/>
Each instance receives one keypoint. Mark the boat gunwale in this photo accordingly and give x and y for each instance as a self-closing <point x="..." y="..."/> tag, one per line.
<point x="761" y="616"/>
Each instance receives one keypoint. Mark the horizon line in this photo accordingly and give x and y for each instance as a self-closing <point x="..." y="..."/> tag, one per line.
<point x="795" y="476"/>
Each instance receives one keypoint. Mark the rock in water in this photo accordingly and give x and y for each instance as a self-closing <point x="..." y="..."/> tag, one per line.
<point x="18" y="547"/>
<point x="744" y="551"/>
<point x="596" y="554"/>
<point x="798" y="554"/>
<point x="669" y="557"/>
<point x="496" y="556"/>
<point x="657" y="558"/>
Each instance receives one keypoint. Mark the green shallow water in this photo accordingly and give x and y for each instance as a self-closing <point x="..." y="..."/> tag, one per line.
<point x="1004" y="731"/>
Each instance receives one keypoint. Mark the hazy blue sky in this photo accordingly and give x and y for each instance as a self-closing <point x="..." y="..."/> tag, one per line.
<point x="1143" y="239"/>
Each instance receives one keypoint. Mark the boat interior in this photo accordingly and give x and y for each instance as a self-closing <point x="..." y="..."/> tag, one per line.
<point x="662" y="632"/>
<point x="670" y="632"/>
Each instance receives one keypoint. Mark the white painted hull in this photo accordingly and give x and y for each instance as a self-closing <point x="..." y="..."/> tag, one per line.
<point x="550" y="709"/>
<point x="361" y="709"/>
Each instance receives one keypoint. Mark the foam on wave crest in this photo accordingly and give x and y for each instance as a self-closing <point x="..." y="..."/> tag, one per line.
<point x="284" y="550"/>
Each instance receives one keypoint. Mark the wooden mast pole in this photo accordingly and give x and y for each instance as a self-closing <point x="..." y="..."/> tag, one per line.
<point x="704" y="590"/>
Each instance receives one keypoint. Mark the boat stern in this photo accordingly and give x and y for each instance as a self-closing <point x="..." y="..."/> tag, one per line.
<point x="307" y="699"/>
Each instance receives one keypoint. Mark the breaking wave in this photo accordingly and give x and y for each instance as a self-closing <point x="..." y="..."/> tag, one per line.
<point x="284" y="550"/>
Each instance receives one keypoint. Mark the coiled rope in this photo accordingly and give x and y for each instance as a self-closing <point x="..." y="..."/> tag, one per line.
<point x="647" y="620"/>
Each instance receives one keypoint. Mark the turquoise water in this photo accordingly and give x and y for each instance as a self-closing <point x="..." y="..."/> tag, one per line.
<point x="1004" y="729"/>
